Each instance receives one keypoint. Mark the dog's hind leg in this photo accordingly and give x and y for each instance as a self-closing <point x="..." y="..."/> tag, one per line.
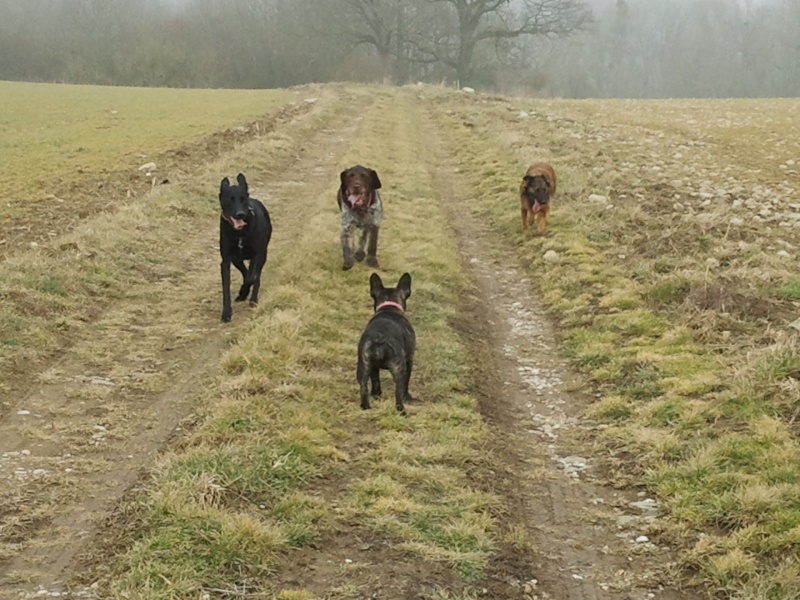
<point x="409" y="365"/>
<point x="400" y="376"/>
<point x="375" y="378"/>
<point x="371" y="231"/>
<point x="363" y="375"/>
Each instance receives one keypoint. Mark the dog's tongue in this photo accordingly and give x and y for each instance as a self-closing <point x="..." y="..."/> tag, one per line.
<point x="237" y="223"/>
<point x="357" y="199"/>
<point x="537" y="207"/>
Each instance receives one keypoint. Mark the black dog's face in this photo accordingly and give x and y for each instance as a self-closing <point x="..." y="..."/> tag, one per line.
<point x="233" y="202"/>
<point x="358" y="184"/>
<point x="537" y="188"/>
<point x="397" y="294"/>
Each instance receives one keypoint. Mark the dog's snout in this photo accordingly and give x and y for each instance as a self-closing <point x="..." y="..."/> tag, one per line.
<point x="240" y="214"/>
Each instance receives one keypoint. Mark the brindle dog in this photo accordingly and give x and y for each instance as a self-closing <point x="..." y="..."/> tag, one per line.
<point x="388" y="342"/>
<point x="537" y="189"/>
<point x="360" y="207"/>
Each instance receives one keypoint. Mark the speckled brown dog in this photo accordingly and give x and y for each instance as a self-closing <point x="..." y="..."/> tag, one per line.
<point x="360" y="207"/>
<point x="537" y="190"/>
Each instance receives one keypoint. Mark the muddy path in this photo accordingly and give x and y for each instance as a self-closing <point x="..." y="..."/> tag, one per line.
<point x="95" y="419"/>
<point x="588" y="540"/>
<point x="94" y="423"/>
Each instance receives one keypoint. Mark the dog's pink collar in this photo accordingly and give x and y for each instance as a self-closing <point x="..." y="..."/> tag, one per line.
<point x="396" y="305"/>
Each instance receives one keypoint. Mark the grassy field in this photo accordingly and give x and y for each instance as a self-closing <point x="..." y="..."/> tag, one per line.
<point x="50" y="133"/>
<point x="673" y="287"/>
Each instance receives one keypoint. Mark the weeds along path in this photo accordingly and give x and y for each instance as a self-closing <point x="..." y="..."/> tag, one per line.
<point x="585" y="540"/>
<point x="77" y="435"/>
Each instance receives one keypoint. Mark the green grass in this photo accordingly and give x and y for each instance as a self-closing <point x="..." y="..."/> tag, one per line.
<point x="51" y="132"/>
<point x="790" y="290"/>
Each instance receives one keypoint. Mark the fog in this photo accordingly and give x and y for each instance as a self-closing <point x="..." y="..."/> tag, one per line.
<point x="566" y="48"/>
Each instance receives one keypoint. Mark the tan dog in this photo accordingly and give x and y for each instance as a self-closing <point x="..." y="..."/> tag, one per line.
<point x="537" y="189"/>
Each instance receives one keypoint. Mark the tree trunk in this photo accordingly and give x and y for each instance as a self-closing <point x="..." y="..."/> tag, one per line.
<point x="464" y="68"/>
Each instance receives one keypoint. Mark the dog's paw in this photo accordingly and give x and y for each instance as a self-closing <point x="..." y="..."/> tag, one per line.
<point x="376" y="393"/>
<point x="365" y="406"/>
<point x="226" y="316"/>
<point x="347" y="264"/>
<point x="253" y="303"/>
<point x="360" y="255"/>
<point x="410" y="398"/>
<point x="372" y="261"/>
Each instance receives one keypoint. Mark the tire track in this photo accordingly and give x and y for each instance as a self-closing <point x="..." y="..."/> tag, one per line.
<point x="588" y="539"/>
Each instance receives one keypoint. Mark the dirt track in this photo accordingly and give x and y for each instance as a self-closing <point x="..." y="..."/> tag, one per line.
<point x="96" y="419"/>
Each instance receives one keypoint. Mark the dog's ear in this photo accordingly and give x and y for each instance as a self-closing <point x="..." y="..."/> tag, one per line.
<point x="242" y="182"/>
<point x="342" y="176"/>
<point x="528" y="178"/>
<point x="374" y="179"/>
<point x="224" y="185"/>
<point x="375" y="285"/>
<point x="404" y="286"/>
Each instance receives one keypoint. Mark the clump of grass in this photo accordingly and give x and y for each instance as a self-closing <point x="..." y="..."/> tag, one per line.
<point x="790" y="290"/>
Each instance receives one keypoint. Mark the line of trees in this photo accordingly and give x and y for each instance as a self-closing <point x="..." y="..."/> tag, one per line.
<point x="573" y="48"/>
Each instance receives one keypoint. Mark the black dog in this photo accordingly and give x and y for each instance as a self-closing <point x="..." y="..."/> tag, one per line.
<point x="244" y="233"/>
<point x="388" y="342"/>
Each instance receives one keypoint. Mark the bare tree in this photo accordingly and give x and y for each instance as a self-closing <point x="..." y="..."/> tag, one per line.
<point x="479" y="21"/>
<point x="386" y="26"/>
<point x="372" y="22"/>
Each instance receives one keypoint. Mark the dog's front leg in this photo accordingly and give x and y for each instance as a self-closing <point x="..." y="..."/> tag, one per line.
<point x="541" y="221"/>
<point x="227" y="312"/>
<point x="372" y="248"/>
<point x="524" y="212"/>
<point x="347" y="228"/>
<point x="245" y="288"/>
<point x="256" y="266"/>
<point x="251" y="279"/>
<point x="362" y="241"/>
